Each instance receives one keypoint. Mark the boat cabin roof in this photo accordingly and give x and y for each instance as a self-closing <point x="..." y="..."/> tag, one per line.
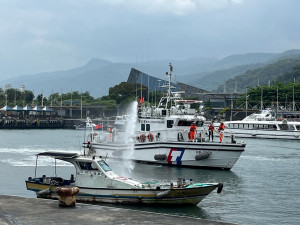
<point x="58" y="155"/>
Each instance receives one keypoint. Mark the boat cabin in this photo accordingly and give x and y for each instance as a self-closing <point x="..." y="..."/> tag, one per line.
<point x="263" y="126"/>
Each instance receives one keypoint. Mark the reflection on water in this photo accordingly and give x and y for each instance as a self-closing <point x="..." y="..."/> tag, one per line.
<point x="262" y="188"/>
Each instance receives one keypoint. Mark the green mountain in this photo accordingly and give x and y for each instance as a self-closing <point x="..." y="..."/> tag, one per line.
<point x="225" y="70"/>
<point x="214" y="79"/>
<point x="284" y="70"/>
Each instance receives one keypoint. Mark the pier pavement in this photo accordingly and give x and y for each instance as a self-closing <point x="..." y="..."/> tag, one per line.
<point x="27" y="211"/>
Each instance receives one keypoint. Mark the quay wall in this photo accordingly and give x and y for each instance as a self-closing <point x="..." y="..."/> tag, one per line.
<point x="48" y="123"/>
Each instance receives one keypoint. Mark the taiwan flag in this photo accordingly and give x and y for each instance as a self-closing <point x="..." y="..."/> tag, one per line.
<point x="98" y="126"/>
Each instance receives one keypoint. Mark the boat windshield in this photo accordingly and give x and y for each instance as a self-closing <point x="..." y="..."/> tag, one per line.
<point x="87" y="165"/>
<point x="104" y="166"/>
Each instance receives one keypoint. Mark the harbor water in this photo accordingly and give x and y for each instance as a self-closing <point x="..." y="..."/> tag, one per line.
<point x="262" y="188"/>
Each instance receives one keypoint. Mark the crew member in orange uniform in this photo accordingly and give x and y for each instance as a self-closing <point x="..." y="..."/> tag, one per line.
<point x="193" y="129"/>
<point x="211" y="129"/>
<point x="221" y="130"/>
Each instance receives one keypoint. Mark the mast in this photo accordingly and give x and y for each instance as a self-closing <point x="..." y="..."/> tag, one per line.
<point x="171" y="70"/>
<point x="294" y="95"/>
<point x="169" y="84"/>
<point x="141" y="85"/>
<point x="246" y="101"/>
<point x="277" y="100"/>
<point x="261" y="99"/>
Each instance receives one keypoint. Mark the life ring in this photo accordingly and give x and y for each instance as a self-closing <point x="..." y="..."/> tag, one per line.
<point x="142" y="138"/>
<point x="138" y="138"/>
<point x="150" y="137"/>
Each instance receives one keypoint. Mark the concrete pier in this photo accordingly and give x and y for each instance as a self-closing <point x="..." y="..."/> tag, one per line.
<point x="27" y="211"/>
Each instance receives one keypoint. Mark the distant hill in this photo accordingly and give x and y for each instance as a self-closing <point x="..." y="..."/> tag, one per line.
<point x="234" y="66"/>
<point x="97" y="76"/>
<point x="279" y="70"/>
<point x="212" y="80"/>
<point x="216" y="73"/>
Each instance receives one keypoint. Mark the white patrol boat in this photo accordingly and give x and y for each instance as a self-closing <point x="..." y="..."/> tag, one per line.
<point x="161" y="135"/>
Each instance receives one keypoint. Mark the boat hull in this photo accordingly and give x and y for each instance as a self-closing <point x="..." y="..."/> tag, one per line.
<point x="183" y="154"/>
<point x="182" y="196"/>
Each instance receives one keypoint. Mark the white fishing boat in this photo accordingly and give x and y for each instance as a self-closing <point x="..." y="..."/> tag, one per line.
<point x="121" y="122"/>
<point x="98" y="183"/>
<point x="89" y="125"/>
<point x="161" y="135"/>
<point x="264" y="125"/>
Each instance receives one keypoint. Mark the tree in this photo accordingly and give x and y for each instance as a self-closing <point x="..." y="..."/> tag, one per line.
<point x="125" y="92"/>
<point x="268" y="94"/>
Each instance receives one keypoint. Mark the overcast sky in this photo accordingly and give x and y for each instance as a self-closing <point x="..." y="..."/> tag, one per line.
<point x="49" y="35"/>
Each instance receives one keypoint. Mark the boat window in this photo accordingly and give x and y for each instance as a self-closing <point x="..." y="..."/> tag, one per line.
<point x="199" y="123"/>
<point x="182" y="123"/>
<point x="298" y="127"/>
<point x="104" y="166"/>
<point x="147" y="127"/>
<point x="185" y="123"/>
<point x="170" y="123"/>
<point x="87" y="166"/>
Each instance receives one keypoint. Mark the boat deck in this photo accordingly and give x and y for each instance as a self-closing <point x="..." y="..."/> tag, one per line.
<point x="27" y="211"/>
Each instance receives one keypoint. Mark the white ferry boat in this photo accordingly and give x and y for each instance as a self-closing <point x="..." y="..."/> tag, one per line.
<point x="264" y="125"/>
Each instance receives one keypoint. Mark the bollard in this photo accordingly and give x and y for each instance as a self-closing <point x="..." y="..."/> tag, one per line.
<point x="67" y="196"/>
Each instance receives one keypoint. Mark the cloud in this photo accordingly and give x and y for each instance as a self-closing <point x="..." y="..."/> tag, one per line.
<point x="175" y="7"/>
<point x="60" y="34"/>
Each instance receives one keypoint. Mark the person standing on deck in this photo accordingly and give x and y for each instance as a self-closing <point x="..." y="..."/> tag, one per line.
<point x="193" y="129"/>
<point x="221" y="130"/>
<point x="211" y="129"/>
